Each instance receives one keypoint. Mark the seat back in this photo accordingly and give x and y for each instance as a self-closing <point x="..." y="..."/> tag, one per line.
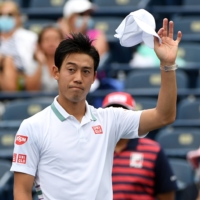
<point x="37" y="25"/>
<point x="177" y="142"/>
<point x="189" y="25"/>
<point x="4" y="167"/>
<point x="189" y="109"/>
<point x="22" y="109"/>
<point x="121" y="3"/>
<point x="145" y="103"/>
<point x="47" y="3"/>
<point x="189" y="51"/>
<point x="190" y="2"/>
<point x="183" y="171"/>
<point x="151" y="79"/>
<point x="7" y="138"/>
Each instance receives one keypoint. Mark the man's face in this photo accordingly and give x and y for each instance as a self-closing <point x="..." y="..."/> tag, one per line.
<point x="75" y="77"/>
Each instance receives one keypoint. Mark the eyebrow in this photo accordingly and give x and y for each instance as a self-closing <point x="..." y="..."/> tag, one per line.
<point x="71" y="63"/>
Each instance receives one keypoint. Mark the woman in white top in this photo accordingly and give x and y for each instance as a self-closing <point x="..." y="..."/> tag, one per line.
<point x="42" y="79"/>
<point x="17" y="46"/>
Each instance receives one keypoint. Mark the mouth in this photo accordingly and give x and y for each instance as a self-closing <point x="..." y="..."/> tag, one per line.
<point x="76" y="87"/>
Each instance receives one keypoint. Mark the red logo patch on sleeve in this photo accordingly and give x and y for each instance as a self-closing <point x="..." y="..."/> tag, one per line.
<point x="14" y="157"/>
<point x="21" y="159"/>
<point x="21" y="139"/>
<point x="97" y="129"/>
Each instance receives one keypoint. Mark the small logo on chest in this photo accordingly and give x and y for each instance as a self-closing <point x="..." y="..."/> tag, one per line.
<point x="97" y="129"/>
<point x="136" y="160"/>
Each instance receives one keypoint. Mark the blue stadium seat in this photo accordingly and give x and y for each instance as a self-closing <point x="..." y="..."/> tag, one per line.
<point x="47" y="3"/>
<point x="22" y="109"/>
<point x="7" y="138"/>
<point x="108" y="25"/>
<point x="151" y="79"/>
<point x="121" y="3"/>
<point x="189" y="25"/>
<point x="177" y="142"/>
<point x="145" y="103"/>
<point x="189" y="109"/>
<point x="191" y="2"/>
<point x="184" y="174"/>
<point x="6" y="180"/>
<point x="37" y="25"/>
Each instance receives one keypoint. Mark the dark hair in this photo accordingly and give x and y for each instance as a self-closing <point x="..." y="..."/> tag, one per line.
<point x="46" y="28"/>
<point x="76" y="43"/>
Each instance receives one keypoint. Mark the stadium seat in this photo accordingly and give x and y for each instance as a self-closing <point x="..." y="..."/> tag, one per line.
<point x="37" y="25"/>
<point x="189" y="52"/>
<point x="190" y="2"/>
<point x="177" y="142"/>
<point x="189" y="109"/>
<point x="47" y="3"/>
<point x="184" y="174"/>
<point x="108" y="25"/>
<point x="145" y="103"/>
<point x="7" y="138"/>
<point x="6" y="180"/>
<point x="151" y="79"/>
<point x="198" y="82"/>
<point x="190" y="27"/>
<point x="121" y="3"/>
<point x="22" y="109"/>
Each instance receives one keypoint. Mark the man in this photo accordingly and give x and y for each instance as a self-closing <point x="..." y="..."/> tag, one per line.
<point x="67" y="149"/>
<point x="140" y="168"/>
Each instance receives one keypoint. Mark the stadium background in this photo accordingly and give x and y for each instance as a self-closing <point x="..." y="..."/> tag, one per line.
<point x="142" y="83"/>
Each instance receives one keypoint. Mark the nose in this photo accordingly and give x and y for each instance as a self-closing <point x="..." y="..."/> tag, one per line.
<point x="78" y="77"/>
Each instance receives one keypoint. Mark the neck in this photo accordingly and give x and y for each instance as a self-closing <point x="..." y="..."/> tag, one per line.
<point x="72" y="108"/>
<point x="121" y="145"/>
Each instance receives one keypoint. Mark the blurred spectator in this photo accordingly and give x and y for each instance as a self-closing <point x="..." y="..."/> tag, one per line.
<point x="77" y="18"/>
<point x="146" y="57"/>
<point x="140" y="169"/>
<point x="194" y="158"/>
<point x="42" y="78"/>
<point x="16" y="43"/>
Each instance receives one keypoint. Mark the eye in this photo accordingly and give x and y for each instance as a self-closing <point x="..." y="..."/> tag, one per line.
<point x="71" y="69"/>
<point x="86" y="71"/>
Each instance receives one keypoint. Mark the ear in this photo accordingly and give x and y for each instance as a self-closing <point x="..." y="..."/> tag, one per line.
<point x="95" y="76"/>
<point x="55" y="72"/>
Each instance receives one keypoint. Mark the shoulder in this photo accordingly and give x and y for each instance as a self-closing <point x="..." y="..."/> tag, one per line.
<point x="39" y="119"/>
<point x="21" y="32"/>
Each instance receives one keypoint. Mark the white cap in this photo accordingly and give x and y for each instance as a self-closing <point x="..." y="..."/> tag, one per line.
<point x="76" y="6"/>
<point x="137" y="27"/>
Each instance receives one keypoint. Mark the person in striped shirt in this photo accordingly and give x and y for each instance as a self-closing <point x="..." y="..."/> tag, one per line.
<point x="140" y="167"/>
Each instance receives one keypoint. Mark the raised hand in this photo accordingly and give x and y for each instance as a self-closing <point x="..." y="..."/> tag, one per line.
<point x="167" y="50"/>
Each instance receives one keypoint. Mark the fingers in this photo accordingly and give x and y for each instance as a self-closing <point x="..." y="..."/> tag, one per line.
<point x="160" y="32"/>
<point x="165" y="27"/>
<point x="171" y="29"/>
<point x="169" y="32"/>
<point x="179" y="36"/>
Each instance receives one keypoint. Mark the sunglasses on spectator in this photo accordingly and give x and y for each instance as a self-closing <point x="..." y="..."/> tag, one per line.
<point x="8" y="14"/>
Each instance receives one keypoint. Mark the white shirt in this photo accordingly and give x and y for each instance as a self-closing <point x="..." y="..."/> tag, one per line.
<point x="21" y="47"/>
<point x="69" y="159"/>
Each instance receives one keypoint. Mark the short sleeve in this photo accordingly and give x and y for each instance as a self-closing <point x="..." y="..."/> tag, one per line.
<point x="127" y="123"/>
<point x="26" y="151"/>
<point x="165" y="180"/>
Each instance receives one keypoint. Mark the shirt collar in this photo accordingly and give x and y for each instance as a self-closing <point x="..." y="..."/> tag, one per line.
<point x="62" y="115"/>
